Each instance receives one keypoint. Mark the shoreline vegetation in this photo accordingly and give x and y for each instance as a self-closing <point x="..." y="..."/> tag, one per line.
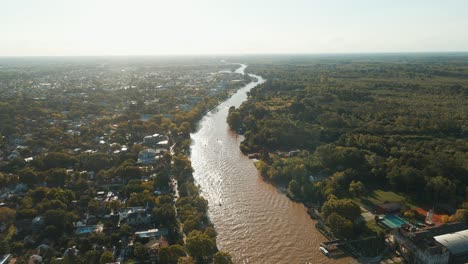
<point x="349" y="136"/>
<point x="77" y="170"/>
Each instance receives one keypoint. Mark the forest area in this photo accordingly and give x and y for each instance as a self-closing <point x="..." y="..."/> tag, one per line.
<point x="334" y="128"/>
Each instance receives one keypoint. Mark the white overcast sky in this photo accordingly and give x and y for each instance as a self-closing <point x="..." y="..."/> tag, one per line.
<point x="151" y="27"/>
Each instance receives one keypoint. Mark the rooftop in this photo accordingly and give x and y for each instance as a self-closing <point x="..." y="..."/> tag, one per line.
<point x="153" y="232"/>
<point x="457" y="243"/>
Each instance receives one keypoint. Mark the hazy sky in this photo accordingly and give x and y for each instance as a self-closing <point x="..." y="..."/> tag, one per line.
<point x="145" y="27"/>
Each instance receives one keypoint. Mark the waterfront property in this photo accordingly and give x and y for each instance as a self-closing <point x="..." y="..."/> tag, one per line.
<point x="437" y="245"/>
<point x="149" y="156"/>
<point x="156" y="140"/>
<point x="457" y="244"/>
<point x="135" y="216"/>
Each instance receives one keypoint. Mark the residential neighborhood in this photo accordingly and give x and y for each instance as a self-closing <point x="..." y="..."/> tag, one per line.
<point x="93" y="160"/>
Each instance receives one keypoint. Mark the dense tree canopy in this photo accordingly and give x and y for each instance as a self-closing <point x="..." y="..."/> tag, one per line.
<point x="394" y="121"/>
<point x="199" y="245"/>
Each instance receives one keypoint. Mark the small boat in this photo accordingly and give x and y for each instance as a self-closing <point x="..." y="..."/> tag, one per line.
<point x="324" y="251"/>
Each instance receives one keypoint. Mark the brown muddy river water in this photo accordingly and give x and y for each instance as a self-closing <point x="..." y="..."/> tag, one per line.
<point x="255" y="222"/>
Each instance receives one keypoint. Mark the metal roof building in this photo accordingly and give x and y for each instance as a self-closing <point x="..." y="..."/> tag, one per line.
<point x="457" y="244"/>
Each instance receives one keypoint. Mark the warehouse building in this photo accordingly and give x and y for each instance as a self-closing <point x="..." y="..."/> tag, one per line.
<point x="457" y="244"/>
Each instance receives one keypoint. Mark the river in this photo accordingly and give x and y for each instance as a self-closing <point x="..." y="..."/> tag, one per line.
<point x="255" y="222"/>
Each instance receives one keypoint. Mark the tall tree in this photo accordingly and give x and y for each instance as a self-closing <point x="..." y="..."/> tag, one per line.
<point x="439" y="188"/>
<point x="222" y="257"/>
<point x="199" y="245"/>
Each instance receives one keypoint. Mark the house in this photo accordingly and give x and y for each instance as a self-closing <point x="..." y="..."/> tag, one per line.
<point x="37" y="223"/>
<point x="185" y="107"/>
<point x="388" y="208"/>
<point x="13" y="155"/>
<point x="72" y="132"/>
<point x="71" y="252"/>
<point x="294" y="153"/>
<point x="110" y="196"/>
<point x="149" y="156"/>
<point x="140" y="217"/>
<point x="135" y="216"/>
<point x="153" y="233"/>
<point x="21" y="188"/>
<point x="313" y="178"/>
<point x="16" y="141"/>
<point x="152" y="140"/>
<point x="45" y="252"/>
<point x="35" y="259"/>
<point x="163" y="144"/>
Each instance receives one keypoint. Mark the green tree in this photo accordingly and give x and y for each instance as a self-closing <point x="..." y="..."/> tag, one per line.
<point x="340" y="226"/>
<point x="4" y="246"/>
<point x="211" y="232"/>
<point x="357" y="188"/>
<point x="185" y="128"/>
<point x="461" y="215"/>
<point x="38" y="194"/>
<point x="56" y="177"/>
<point x="165" y="214"/>
<point x="3" y="180"/>
<point x="93" y="256"/>
<point x="106" y="257"/>
<point x="60" y="219"/>
<point x="114" y="205"/>
<point x="344" y="207"/>
<point x="128" y="172"/>
<point x="7" y="215"/>
<point x="186" y="260"/>
<point x="222" y="257"/>
<point x="58" y="160"/>
<point x="28" y="176"/>
<point x="140" y="251"/>
<point x="125" y="230"/>
<point x="17" y="248"/>
<point x="294" y="188"/>
<point x="93" y="206"/>
<point x="199" y="245"/>
<point x="52" y="231"/>
<point x="439" y="188"/>
<point x="171" y="254"/>
<point x="234" y="118"/>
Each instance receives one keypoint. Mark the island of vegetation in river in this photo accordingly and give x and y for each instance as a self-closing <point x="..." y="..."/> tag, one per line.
<point x="93" y="159"/>
<point x="366" y="142"/>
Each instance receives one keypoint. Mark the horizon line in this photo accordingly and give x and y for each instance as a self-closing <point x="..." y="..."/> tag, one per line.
<point x="237" y="54"/>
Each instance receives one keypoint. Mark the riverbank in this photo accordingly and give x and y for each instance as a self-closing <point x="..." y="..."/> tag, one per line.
<point x="195" y="225"/>
<point x="253" y="217"/>
<point x="337" y="140"/>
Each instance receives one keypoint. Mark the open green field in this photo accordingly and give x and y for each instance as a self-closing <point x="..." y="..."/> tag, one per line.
<point x="378" y="196"/>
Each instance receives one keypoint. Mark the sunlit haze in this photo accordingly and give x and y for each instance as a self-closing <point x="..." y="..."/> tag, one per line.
<point x="148" y="27"/>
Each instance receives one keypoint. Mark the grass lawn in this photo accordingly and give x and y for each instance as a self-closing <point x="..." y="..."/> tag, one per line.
<point x="378" y="196"/>
<point x="374" y="227"/>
